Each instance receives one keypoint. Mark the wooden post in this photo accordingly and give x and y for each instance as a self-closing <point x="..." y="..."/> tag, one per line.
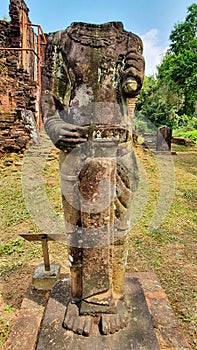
<point x="45" y="254"/>
<point x="44" y="238"/>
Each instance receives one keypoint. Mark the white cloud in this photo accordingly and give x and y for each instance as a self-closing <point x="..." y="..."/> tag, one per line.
<point x="153" y="51"/>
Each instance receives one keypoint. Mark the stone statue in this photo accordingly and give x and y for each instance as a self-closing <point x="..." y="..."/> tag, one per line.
<point x="91" y="78"/>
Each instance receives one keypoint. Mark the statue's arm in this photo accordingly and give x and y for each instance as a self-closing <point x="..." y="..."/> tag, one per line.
<point x="54" y="101"/>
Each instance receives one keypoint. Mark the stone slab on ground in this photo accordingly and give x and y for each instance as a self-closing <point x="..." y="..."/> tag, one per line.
<point x="24" y="335"/>
<point x="139" y="334"/>
<point x="166" y="326"/>
<point x="25" y="330"/>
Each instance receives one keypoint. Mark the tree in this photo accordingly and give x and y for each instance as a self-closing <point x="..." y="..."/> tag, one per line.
<point x="183" y="36"/>
<point x="158" y="103"/>
<point x="179" y="66"/>
<point x="171" y="97"/>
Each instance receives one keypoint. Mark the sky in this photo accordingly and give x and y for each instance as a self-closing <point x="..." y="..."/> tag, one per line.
<point x="152" y="20"/>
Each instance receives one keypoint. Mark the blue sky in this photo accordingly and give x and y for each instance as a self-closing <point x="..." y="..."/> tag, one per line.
<point x="152" y="20"/>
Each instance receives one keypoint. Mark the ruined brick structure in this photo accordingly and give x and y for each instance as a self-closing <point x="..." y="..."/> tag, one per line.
<point x="18" y="80"/>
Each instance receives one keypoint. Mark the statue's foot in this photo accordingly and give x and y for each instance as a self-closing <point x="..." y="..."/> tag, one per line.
<point x="107" y="323"/>
<point x="111" y="323"/>
<point x="76" y="323"/>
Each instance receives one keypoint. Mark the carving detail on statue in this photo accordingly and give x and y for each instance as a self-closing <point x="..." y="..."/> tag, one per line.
<point x="95" y="35"/>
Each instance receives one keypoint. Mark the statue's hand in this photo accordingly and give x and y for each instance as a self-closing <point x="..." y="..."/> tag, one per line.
<point x="69" y="135"/>
<point x="65" y="135"/>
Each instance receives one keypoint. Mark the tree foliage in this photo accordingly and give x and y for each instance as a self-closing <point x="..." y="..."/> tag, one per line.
<point x="158" y="103"/>
<point x="171" y="97"/>
<point x="183" y="36"/>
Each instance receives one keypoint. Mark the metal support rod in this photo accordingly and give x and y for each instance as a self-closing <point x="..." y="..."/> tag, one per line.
<point x="40" y="35"/>
<point x="18" y="49"/>
<point x="45" y="253"/>
<point x="39" y="54"/>
<point x="38" y="26"/>
<point x="39" y="78"/>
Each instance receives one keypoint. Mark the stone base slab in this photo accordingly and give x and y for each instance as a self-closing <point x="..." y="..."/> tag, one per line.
<point x="139" y="334"/>
<point x="160" y="317"/>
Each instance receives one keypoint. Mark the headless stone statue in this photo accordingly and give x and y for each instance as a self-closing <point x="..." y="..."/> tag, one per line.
<point x="90" y="75"/>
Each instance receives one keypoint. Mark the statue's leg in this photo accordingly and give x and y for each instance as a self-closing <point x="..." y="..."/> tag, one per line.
<point x="98" y="269"/>
<point x="69" y="186"/>
<point x="123" y="212"/>
<point x="119" y="265"/>
<point x="72" y="221"/>
<point x="97" y="187"/>
<point x="102" y="275"/>
<point x="126" y="184"/>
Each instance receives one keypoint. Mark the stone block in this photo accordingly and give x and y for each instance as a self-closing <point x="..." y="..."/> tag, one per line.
<point x="139" y="334"/>
<point x="44" y="280"/>
<point x="164" y="135"/>
<point x="25" y="331"/>
<point x="159" y="319"/>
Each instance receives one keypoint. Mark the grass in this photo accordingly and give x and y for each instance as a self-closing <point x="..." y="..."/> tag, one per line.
<point x="169" y="250"/>
<point x="190" y="134"/>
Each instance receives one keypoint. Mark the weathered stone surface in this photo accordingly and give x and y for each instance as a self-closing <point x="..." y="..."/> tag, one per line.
<point x="165" y="324"/>
<point x="94" y="70"/>
<point x="44" y="280"/>
<point x="94" y="57"/>
<point x="150" y="140"/>
<point x="97" y="262"/>
<point x="25" y="331"/>
<point x="164" y="135"/>
<point x="182" y="141"/>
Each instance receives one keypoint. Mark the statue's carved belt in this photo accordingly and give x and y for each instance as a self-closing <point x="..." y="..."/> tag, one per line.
<point x="112" y="133"/>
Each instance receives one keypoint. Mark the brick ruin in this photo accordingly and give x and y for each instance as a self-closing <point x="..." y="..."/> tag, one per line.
<point x="19" y="83"/>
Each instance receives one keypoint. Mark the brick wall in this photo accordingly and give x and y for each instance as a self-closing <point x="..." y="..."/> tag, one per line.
<point x="18" y="85"/>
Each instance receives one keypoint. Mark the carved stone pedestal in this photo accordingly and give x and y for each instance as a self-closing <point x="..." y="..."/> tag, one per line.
<point x="139" y="334"/>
